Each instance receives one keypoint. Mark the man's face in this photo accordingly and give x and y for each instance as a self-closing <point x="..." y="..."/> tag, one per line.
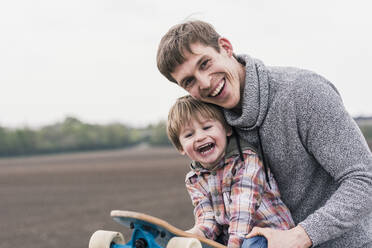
<point x="211" y="76"/>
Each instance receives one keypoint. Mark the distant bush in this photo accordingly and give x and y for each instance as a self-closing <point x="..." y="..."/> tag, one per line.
<point x="367" y="131"/>
<point x="158" y="135"/>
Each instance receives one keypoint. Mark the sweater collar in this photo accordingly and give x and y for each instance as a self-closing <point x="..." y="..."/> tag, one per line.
<point x="254" y="98"/>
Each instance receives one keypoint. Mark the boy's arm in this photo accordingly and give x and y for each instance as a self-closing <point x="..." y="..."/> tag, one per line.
<point x="203" y="209"/>
<point x="246" y="190"/>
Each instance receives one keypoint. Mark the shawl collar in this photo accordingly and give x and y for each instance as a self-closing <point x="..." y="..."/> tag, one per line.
<point x="254" y="99"/>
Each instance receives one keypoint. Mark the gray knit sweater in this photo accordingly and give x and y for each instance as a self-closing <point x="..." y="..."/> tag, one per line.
<point x="315" y="150"/>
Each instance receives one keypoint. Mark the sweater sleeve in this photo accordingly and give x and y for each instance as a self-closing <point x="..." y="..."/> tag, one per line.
<point x="335" y="141"/>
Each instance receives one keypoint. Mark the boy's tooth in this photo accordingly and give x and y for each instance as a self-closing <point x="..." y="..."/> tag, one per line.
<point x="203" y="146"/>
<point x="207" y="144"/>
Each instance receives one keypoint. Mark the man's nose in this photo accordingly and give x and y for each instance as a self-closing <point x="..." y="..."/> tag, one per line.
<point x="204" y="82"/>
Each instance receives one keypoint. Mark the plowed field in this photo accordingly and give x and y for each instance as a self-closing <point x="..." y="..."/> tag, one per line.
<point x="60" y="200"/>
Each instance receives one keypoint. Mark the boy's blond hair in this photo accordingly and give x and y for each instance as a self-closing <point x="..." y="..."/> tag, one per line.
<point x="172" y="47"/>
<point x="187" y="109"/>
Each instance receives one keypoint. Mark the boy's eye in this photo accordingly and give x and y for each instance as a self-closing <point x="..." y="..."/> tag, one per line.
<point x="207" y="127"/>
<point x="187" y="135"/>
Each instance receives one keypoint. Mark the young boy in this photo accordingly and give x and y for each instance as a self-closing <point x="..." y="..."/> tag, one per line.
<point x="230" y="188"/>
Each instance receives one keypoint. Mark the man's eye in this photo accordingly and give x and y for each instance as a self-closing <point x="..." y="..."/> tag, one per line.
<point x="204" y="64"/>
<point x="188" y="83"/>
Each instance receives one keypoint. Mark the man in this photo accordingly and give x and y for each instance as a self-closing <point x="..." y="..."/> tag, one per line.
<point x="297" y="120"/>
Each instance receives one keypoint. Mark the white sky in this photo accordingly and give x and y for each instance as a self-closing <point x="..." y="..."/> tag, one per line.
<point x="95" y="59"/>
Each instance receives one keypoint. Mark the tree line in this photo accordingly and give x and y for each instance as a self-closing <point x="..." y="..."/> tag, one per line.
<point x="74" y="135"/>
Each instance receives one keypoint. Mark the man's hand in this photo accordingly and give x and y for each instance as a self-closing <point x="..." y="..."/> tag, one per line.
<point x="293" y="238"/>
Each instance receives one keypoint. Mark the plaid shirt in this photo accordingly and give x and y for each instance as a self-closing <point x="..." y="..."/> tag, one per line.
<point x="234" y="197"/>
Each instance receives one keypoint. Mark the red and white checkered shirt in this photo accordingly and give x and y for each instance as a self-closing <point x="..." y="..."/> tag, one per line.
<point x="233" y="198"/>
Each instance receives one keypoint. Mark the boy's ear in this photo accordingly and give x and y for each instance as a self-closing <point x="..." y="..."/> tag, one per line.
<point x="225" y="45"/>
<point x="181" y="151"/>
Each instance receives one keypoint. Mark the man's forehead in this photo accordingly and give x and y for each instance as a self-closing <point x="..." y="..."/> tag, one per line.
<point x="197" y="50"/>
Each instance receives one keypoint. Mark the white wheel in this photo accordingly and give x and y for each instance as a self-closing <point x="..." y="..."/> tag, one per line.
<point x="103" y="239"/>
<point x="178" y="242"/>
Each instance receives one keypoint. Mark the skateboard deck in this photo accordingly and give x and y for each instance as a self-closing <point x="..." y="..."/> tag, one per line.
<point x="158" y="229"/>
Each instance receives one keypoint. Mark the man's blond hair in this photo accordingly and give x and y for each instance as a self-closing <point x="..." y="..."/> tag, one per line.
<point x="172" y="47"/>
<point x="187" y="109"/>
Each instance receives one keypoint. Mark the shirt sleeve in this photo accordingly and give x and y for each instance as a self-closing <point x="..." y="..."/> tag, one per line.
<point x="203" y="210"/>
<point x="335" y="141"/>
<point x="246" y="190"/>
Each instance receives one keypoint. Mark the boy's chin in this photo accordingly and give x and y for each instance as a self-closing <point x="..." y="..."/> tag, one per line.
<point x="209" y="166"/>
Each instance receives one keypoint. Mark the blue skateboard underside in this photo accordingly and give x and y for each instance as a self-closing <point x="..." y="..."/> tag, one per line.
<point x="144" y="233"/>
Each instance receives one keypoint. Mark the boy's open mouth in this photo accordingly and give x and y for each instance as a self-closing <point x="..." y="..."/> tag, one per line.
<point x="206" y="148"/>
<point x="217" y="91"/>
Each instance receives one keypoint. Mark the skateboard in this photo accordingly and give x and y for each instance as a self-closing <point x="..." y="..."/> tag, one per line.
<point x="148" y="232"/>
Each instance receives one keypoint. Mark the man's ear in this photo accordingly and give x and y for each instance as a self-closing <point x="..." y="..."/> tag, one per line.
<point x="225" y="44"/>
<point x="229" y="131"/>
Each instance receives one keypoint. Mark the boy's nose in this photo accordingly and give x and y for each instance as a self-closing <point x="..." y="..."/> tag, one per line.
<point x="200" y="136"/>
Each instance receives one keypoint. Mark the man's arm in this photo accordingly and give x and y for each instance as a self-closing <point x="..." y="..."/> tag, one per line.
<point x="336" y="142"/>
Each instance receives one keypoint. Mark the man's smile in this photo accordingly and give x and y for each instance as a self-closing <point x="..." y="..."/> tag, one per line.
<point x="218" y="89"/>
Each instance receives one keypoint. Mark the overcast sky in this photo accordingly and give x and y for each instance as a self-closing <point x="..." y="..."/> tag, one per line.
<point x="95" y="59"/>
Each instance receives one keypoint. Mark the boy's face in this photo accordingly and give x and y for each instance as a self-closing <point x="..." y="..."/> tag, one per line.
<point x="211" y="76"/>
<point x="204" y="141"/>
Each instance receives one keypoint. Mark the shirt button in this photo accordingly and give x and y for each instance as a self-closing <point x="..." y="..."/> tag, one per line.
<point x="218" y="213"/>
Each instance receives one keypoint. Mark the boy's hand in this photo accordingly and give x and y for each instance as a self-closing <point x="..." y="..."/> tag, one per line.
<point x="196" y="231"/>
<point x="293" y="238"/>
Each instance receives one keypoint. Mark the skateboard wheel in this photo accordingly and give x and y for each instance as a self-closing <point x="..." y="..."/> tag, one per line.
<point x="180" y="242"/>
<point x="104" y="239"/>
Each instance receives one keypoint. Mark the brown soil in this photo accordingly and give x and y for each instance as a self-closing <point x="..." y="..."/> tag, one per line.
<point x="60" y="200"/>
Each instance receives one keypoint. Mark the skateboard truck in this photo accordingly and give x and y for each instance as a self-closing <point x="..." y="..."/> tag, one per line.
<point x="143" y="236"/>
